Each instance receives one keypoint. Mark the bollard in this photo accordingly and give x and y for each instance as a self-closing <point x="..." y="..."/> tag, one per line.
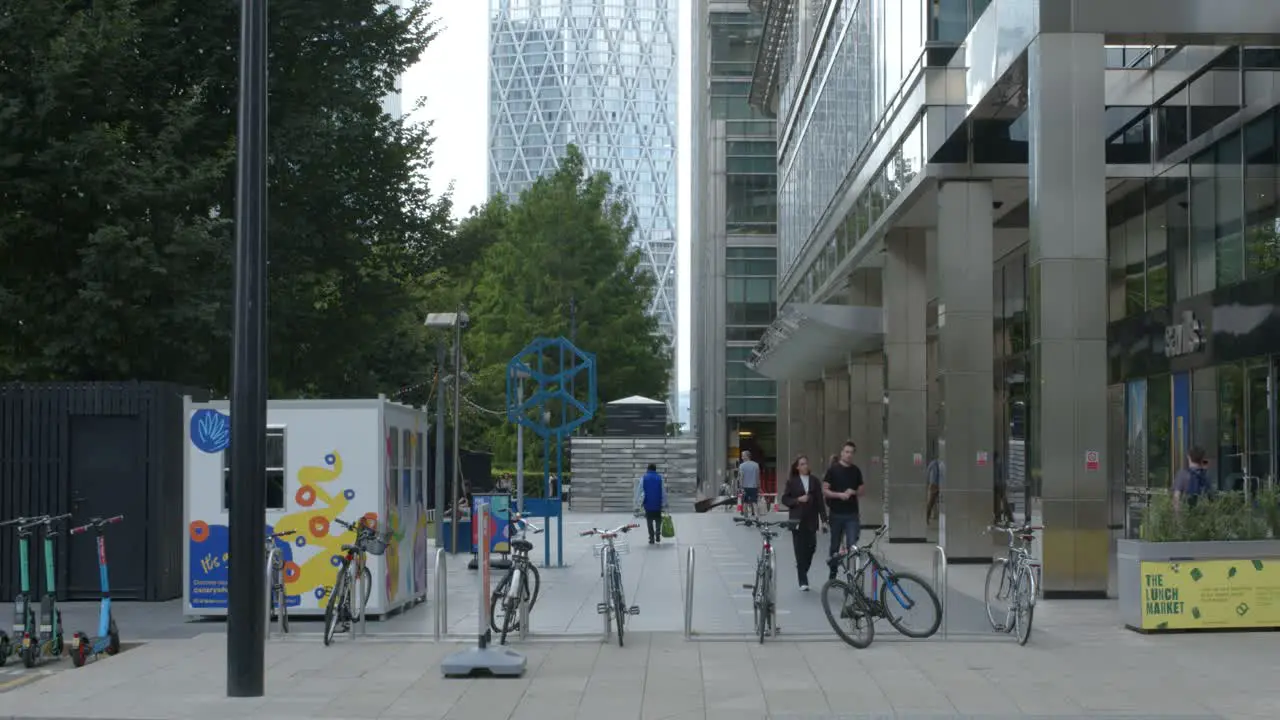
<point x="481" y="516"/>
<point x="688" y="595"/>
<point x="940" y="583"/>
<point x="442" y="595"/>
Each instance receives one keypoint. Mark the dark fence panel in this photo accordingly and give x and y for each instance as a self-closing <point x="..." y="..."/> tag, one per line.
<point x="36" y="476"/>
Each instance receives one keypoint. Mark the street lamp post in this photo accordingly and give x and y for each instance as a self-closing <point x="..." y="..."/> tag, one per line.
<point x="455" y="321"/>
<point x="246" y="623"/>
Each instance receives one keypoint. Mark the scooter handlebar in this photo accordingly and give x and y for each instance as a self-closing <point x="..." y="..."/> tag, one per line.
<point x="96" y="523"/>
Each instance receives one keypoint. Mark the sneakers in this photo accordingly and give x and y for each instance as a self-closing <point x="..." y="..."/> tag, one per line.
<point x="652" y="541"/>
<point x="804" y="588"/>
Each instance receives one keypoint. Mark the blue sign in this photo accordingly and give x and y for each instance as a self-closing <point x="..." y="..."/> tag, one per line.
<point x="210" y="431"/>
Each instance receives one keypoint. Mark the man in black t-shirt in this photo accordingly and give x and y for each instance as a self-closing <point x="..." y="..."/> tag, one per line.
<point x="842" y="487"/>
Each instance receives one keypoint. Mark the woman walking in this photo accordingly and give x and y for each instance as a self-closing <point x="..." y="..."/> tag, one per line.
<point x="803" y="497"/>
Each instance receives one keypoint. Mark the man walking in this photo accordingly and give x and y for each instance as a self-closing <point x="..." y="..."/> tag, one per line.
<point x="651" y="495"/>
<point x="842" y="487"/>
<point x="749" y="470"/>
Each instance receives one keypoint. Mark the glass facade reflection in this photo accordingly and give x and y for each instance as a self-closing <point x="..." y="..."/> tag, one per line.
<point x="600" y="74"/>
<point x="1198" y="249"/>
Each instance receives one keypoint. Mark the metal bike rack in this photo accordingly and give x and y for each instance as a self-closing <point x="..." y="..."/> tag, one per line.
<point x="271" y="563"/>
<point x="940" y="583"/>
<point x="688" y="594"/>
<point x="442" y="595"/>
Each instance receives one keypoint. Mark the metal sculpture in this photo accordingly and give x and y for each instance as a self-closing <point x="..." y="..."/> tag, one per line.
<point x="556" y="367"/>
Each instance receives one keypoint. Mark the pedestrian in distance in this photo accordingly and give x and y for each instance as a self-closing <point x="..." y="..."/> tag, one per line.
<point x="651" y="496"/>
<point x="841" y="488"/>
<point x="1192" y="481"/>
<point x="749" y="470"/>
<point x="806" y="506"/>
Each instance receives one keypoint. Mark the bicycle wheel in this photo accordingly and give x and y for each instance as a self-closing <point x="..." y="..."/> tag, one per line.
<point x="619" y="604"/>
<point x="1024" y="589"/>
<point x="903" y="592"/>
<point x="282" y="606"/>
<point x="533" y="584"/>
<point x="4" y="649"/>
<point x="849" y="607"/>
<point x="766" y="605"/>
<point x="997" y="594"/>
<point x="496" y="603"/>
<point x="333" y="608"/>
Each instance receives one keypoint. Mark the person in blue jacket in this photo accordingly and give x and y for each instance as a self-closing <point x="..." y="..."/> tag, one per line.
<point x="651" y="496"/>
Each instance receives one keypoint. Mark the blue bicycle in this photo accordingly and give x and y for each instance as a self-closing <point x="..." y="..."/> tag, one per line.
<point x="108" y="638"/>
<point x="871" y="590"/>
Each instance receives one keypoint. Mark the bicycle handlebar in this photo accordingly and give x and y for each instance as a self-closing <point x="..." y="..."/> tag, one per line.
<point x="96" y="523"/>
<point x="283" y="533"/>
<point x="46" y="520"/>
<point x="519" y="520"/>
<point x="764" y="525"/>
<point x="608" y="534"/>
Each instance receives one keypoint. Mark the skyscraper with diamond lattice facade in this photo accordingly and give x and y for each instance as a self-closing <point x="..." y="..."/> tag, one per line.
<point x="601" y="74"/>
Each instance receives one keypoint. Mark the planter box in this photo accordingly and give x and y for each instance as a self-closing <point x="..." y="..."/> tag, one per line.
<point x="1199" y="585"/>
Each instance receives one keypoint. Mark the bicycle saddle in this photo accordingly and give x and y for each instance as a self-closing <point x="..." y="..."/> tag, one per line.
<point x="349" y="548"/>
<point x="521" y="545"/>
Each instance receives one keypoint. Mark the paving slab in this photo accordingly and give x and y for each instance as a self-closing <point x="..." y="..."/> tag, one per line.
<point x="660" y="675"/>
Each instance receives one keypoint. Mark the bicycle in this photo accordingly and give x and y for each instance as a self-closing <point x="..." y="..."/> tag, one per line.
<point x="278" y="602"/>
<point x="763" y="593"/>
<point x="342" y="608"/>
<point x="1016" y="583"/>
<point x="614" y="608"/>
<point x="887" y="594"/>
<point x="518" y="587"/>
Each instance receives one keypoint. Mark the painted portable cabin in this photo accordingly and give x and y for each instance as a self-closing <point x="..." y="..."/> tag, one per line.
<point x="326" y="459"/>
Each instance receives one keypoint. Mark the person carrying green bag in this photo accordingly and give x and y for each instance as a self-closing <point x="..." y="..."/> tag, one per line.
<point x="651" y="496"/>
<point x="668" y="526"/>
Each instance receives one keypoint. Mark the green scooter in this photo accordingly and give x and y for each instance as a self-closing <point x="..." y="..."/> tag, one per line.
<point x="36" y="638"/>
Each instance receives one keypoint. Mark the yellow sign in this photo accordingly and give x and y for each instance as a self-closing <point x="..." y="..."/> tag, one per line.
<point x="1197" y="594"/>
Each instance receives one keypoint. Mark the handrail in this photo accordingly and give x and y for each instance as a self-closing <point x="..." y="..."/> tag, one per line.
<point x="688" y="594"/>
<point x="442" y="595"/>
<point x="940" y="583"/>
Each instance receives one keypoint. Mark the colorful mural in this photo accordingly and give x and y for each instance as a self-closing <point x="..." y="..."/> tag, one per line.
<point x="392" y="556"/>
<point x="210" y="560"/>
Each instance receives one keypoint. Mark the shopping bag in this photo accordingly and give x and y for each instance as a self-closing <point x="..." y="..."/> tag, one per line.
<point x="668" y="526"/>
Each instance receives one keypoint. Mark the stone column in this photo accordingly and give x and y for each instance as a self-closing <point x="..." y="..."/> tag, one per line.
<point x="1068" y="294"/>
<point x="905" y="300"/>
<point x="866" y="402"/>
<point x="835" y="408"/>
<point x="812" y="432"/>
<point x="965" y="357"/>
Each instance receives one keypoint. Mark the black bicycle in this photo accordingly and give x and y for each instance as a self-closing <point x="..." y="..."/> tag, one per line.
<point x="764" y="589"/>
<point x="519" y="586"/>
<point x="354" y="583"/>
<point x="891" y="595"/>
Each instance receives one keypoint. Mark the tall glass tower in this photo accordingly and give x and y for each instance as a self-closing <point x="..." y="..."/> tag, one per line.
<point x="601" y="74"/>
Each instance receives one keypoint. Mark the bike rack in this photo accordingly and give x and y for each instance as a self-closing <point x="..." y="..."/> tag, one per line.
<point x="688" y="594"/>
<point x="266" y="623"/>
<point x="940" y="583"/>
<point x="442" y="595"/>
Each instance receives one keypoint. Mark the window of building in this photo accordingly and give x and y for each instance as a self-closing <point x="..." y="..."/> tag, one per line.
<point x="1159" y="423"/>
<point x="735" y="42"/>
<point x="1229" y="208"/>
<point x="1261" y="188"/>
<point x="275" y="476"/>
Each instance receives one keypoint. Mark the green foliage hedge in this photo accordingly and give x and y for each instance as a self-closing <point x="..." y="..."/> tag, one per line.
<point x="1224" y="516"/>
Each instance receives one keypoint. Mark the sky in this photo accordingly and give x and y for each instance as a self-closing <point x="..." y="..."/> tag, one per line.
<point x="452" y="81"/>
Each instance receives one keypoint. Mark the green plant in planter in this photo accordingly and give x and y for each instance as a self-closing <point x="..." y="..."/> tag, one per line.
<point x="1225" y="516"/>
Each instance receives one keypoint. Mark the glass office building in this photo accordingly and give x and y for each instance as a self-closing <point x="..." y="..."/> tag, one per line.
<point x="600" y="74"/>
<point x="1038" y="246"/>
<point x="735" y="268"/>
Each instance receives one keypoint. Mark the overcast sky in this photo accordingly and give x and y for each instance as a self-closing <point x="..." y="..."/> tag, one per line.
<point x="453" y="79"/>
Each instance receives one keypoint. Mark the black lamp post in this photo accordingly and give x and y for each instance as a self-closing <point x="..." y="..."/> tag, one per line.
<point x="246" y="618"/>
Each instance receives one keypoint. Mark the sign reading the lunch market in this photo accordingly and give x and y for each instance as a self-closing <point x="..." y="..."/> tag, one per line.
<point x="1197" y="594"/>
<point x="1184" y="337"/>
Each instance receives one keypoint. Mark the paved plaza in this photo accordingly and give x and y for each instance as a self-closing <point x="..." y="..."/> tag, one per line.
<point x="1080" y="663"/>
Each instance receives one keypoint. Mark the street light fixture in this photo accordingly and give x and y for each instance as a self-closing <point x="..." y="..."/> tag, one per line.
<point x="455" y="321"/>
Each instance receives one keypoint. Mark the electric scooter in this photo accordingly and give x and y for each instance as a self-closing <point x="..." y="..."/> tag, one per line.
<point x="49" y="641"/>
<point x="108" y="638"/>
<point x="20" y="602"/>
<point x="37" y="638"/>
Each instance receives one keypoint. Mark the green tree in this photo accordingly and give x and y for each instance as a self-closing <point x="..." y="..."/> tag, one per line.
<point x="117" y="139"/>
<point x="567" y="241"/>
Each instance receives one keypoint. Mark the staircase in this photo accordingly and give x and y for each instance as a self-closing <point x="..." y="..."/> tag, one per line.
<point x="605" y="471"/>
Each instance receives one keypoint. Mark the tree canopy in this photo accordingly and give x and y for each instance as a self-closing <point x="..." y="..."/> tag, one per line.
<point x="559" y="262"/>
<point x="117" y="194"/>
